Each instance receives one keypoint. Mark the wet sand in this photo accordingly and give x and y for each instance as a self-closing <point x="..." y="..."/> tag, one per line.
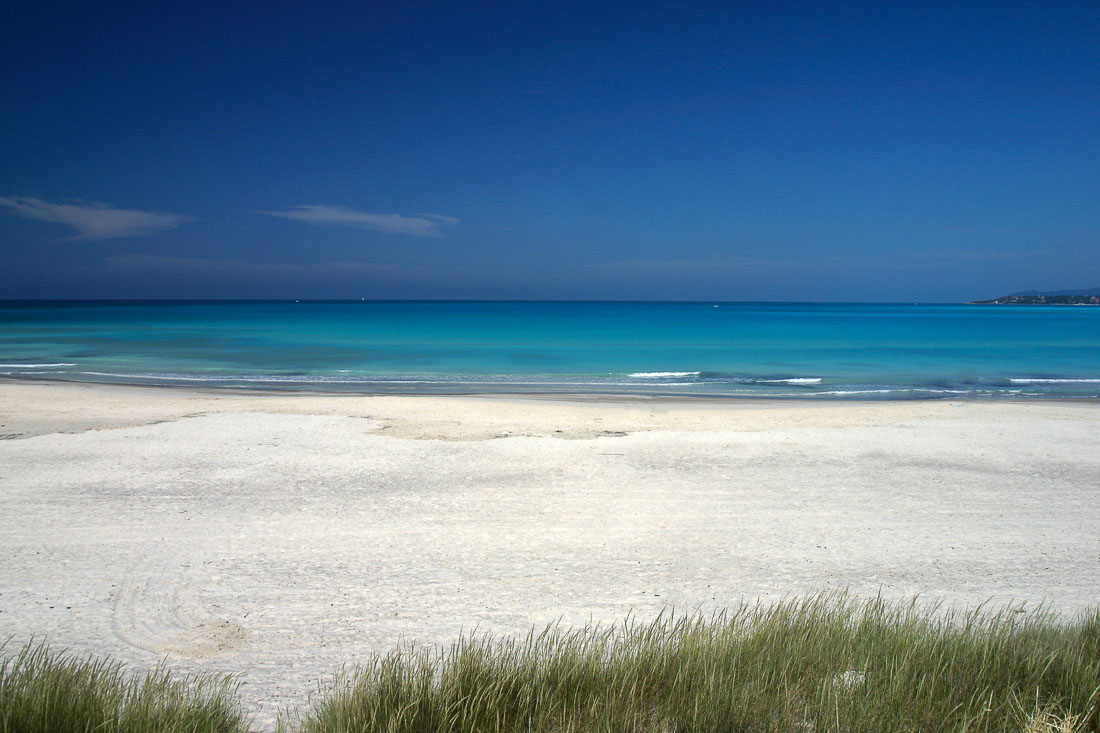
<point x="280" y="536"/>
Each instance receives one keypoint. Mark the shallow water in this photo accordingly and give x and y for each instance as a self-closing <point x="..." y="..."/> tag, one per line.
<point x="722" y="349"/>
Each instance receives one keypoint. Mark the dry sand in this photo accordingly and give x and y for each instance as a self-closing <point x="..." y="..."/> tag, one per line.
<point x="280" y="536"/>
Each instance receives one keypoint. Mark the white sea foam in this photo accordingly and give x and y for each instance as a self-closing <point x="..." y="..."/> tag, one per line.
<point x="909" y="390"/>
<point x="859" y="391"/>
<point x="35" y="366"/>
<point x="365" y="380"/>
<point x="665" y="381"/>
<point x="792" y="380"/>
<point x="271" y="378"/>
<point x="1054" y="381"/>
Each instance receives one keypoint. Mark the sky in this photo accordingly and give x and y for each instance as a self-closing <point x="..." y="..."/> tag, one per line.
<point x="890" y="152"/>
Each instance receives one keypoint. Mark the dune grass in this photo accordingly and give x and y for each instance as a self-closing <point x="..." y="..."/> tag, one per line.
<point x="827" y="663"/>
<point x="44" y="691"/>
<point x="823" y="664"/>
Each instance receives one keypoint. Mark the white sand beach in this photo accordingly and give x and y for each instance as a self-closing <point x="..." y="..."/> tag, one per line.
<point x="280" y="536"/>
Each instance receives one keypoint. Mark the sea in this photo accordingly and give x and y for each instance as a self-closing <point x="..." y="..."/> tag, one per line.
<point x="816" y="351"/>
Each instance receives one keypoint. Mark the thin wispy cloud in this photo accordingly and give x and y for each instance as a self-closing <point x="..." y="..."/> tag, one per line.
<point x="94" y="220"/>
<point x="417" y="225"/>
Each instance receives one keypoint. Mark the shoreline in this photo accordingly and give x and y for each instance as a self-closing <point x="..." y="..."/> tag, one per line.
<point x="570" y="396"/>
<point x="459" y="416"/>
<point x="281" y="535"/>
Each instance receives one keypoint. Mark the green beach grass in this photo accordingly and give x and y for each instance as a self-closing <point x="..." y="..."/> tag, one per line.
<point x="827" y="663"/>
<point x="45" y="691"/>
<point x="823" y="664"/>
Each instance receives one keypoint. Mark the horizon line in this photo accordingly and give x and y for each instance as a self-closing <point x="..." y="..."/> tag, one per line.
<point x="474" y="300"/>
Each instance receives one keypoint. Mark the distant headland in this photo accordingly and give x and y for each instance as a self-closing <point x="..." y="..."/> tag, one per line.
<point x="1090" y="296"/>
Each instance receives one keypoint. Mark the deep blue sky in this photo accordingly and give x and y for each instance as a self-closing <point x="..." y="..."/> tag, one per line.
<point x="734" y="151"/>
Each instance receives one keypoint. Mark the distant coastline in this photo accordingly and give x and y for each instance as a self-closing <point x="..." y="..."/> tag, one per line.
<point x="1040" y="300"/>
<point x="1089" y="296"/>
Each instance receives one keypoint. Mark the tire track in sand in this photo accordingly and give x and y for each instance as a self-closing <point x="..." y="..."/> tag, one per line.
<point x="159" y="608"/>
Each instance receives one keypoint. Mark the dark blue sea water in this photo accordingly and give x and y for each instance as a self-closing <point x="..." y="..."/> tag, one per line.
<point x="724" y="349"/>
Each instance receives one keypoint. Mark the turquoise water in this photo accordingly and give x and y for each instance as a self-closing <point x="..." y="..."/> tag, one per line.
<point x="724" y="349"/>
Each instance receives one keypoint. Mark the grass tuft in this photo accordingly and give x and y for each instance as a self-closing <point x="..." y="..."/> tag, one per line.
<point x="827" y="663"/>
<point x="822" y="664"/>
<point x="44" y="691"/>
